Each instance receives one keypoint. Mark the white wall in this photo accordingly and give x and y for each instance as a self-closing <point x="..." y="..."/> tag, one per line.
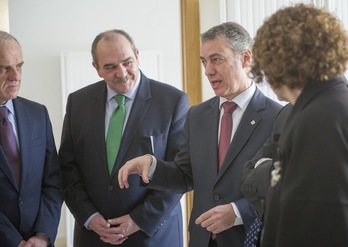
<point x="219" y="11"/>
<point x="4" y="22"/>
<point x="209" y="17"/>
<point x="45" y="29"/>
<point x="251" y="14"/>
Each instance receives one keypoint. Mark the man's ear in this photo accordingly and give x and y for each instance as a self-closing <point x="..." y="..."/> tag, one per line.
<point x="246" y="58"/>
<point x="97" y="68"/>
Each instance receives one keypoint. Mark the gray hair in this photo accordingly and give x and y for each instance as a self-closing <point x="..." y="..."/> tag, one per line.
<point x="110" y="35"/>
<point x="6" y="37"/>
<point x="238" y="38"/>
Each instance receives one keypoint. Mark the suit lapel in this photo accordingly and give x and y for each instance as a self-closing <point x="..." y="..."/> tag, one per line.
<point x="211" y="122"/>
<point x="250" y="120"/>
<point x="97" y="111"/>
<point x="4" y="166"/>
<point x="23" y="132"/>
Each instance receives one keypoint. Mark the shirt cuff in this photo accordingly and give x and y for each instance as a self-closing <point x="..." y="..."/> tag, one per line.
<point x="152" y="167"/>
<point x="238" y="220"/>
<point x="89" y="220"/>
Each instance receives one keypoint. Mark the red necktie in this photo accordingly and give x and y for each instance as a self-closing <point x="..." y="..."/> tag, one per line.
<point x="8" y="143"/>
<point x="226" y="130"/>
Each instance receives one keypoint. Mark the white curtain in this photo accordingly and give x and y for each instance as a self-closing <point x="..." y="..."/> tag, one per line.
<point x="251" y="14"/>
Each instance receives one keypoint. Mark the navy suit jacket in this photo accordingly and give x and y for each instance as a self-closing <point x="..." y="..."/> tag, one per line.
<point x="34" y="206"/>
<point x="154" y="126"/>
<point x="196" y="165"/>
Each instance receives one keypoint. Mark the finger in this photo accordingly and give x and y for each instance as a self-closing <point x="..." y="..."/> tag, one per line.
<point x="123" y="177"/>
<point x="115" y="221"/>
<point x="214" y="228"/>
<point x="138" y="165"/>
<point x="119" y="237"/>
<point x="145" y="176"/>
<point x="142" y="166"/>
<point x="202" y="218"/>
<point x="114" y="238"/>
<point x="98" y="222"/>
<point x="120" y="241"/>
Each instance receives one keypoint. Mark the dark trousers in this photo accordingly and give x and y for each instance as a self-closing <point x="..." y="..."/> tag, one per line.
<point x="212" y="243"/>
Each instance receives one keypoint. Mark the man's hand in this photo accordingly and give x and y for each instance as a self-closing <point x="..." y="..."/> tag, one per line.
<point x="139" y="165"/>
<point x="123" y="226"/>
<point x="217" y="219"/>
<point x="22" y="243"/>
<point x="103" y="228"/>
<point x="35" y="241"/>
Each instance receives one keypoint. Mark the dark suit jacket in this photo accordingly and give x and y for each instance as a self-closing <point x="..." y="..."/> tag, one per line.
<point x="159" y="111"/>
<point x="309" y="204"/>
<point x="35" y="206"/>
<point x="196" y="165"/>
<point x="256" y="182"/>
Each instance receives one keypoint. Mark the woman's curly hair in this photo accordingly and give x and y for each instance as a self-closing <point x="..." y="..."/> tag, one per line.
<point x="299" y="44"/>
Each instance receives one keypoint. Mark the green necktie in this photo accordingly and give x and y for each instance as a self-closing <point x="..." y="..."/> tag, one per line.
<point x="114" y="135"/>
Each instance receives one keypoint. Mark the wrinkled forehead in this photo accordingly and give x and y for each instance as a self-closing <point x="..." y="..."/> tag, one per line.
<point x="214" y="46"/>
<point x="10" y="53"/>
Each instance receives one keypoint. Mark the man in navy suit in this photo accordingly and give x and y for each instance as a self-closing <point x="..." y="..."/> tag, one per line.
<point x="31" y="198"/>
<point x="155" y="115"/>
<point x="220" y="214"/>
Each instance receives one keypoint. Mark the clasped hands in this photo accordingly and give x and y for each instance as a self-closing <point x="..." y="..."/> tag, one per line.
<point x="35" y="241"/>
<point x="113" y="231"/>
<point x="215" y="220"/>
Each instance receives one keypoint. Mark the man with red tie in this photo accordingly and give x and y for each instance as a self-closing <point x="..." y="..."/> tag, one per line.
<point x="220" y="215"/>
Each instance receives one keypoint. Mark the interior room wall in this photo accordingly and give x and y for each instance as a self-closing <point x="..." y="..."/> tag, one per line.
<point x="251" y="14"/>
<point x="209" y="17"/>
<point x="45" y="29"/>
<point x="4" y="20"/>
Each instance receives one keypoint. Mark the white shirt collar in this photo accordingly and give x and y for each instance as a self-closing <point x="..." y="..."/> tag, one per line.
<point x="130" y="94"/>
<point x="242" y="99"/>
<point x="9" y="105"/>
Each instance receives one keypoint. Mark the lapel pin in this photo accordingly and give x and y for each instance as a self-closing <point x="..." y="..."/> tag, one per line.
<point x="252" y="122"/>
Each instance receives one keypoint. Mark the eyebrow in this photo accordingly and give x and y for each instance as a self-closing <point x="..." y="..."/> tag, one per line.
<point x="212" y="56"/>
<point x="8" y="65"/>
<point x="128" y="59"/>
<point x="123" y="61"/>
<point x="215" y="55"/>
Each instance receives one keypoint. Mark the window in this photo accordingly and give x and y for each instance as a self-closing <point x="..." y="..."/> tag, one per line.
<point x="251" y="14"/>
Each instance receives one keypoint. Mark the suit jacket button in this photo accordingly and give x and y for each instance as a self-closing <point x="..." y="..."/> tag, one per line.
<point x="110" y="187"/>
<point x="20" y="202"/>
<point x="216" y="197"/>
